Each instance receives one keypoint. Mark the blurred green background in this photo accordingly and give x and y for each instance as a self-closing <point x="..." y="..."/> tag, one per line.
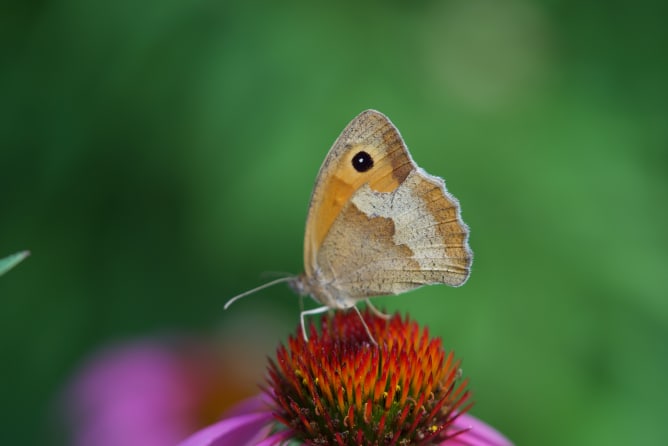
<point x="158" y="157"/>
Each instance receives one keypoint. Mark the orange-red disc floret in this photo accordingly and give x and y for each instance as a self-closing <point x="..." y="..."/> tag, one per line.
<point x="338" y="387"/>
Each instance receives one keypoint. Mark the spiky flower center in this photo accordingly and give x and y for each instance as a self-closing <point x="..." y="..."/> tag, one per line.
<point x="340" y="389"/>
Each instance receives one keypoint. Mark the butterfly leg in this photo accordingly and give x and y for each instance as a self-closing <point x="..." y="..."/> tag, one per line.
<point x="310" y="312"/>
<point x="366" y="327"/>
<point x="376" y="311"/>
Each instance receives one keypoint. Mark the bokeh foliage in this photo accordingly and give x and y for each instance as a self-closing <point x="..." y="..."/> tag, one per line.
<point x="156" y="157"/>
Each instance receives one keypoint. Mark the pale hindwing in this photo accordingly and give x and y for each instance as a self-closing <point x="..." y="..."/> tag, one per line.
<point x="391" y="242"/>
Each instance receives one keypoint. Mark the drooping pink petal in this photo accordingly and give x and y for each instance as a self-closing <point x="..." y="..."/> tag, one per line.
<point x="276" y="438"/>
<point x="254" y="404"/>
<point x="477" y="433"/>
<point x="242" y="430"/>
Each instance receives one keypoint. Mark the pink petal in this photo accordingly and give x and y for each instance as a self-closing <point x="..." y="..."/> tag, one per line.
<point x="131" y="395"/>
<point x="477" y="433"/>
<point x="257" y="403"/>
<point x="241" y="430"/>
<point x="276" y="438"/>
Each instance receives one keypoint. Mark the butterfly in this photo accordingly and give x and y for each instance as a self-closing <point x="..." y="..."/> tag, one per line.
<point x="377" y="224"/>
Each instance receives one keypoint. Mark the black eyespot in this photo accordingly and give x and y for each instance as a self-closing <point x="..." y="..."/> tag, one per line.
<point x="362" y="161"/>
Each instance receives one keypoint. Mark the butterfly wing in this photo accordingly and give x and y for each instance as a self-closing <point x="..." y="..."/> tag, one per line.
<point x="379" y="227"/>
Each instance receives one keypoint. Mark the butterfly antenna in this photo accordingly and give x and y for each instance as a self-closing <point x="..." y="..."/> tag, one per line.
<point x="261" y="287"/>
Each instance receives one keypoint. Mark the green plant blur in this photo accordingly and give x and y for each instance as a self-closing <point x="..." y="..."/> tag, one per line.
<point x="157" y="158"/>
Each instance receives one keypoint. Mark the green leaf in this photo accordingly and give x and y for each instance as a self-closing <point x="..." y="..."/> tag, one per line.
<point x="11" y="261"/>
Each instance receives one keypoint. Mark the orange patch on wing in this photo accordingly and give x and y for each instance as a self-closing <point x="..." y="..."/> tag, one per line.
<point x="391" y="167"/>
